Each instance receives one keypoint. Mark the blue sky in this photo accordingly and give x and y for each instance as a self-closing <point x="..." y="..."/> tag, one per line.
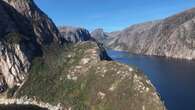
<point x="111" y="15"/>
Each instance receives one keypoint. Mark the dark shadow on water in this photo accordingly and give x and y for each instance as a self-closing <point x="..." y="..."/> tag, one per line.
<point x="20" y="107"/>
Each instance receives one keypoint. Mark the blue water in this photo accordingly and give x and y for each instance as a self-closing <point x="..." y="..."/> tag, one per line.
<point x="174" y="79"/>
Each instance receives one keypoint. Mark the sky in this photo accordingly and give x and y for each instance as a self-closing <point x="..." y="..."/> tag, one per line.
<point x="111" y="15"/>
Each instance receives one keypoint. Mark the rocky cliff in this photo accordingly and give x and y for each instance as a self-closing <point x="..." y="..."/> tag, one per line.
<point x="18" y="45"/>
<point x="43" y="26"/>
<point x="25" y="31"/>
<point x="171" y="37"/>
<point x="74" y="35"/>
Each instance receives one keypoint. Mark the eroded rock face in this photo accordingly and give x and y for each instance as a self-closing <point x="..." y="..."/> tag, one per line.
<point x="18" y="45"/>
<point x="15" y="60"/>
<point x="43" y="26"/>
<point x="13" y="64"/>
<point x="171" y="37"/>
<point x="74" y="35"/>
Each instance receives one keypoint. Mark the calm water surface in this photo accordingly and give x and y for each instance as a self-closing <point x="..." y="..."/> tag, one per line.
<point x="174" y="79"/>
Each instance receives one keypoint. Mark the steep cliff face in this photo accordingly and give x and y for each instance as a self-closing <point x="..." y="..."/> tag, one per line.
<point x="18" y="45"/>
<point x="25" y="29"/>
<point x="15" y="62"/>
<point x="171" y="37"/>
<point x="134" y="38"/>
<point x="74" y="35"/>
<point x="43" y="26"/>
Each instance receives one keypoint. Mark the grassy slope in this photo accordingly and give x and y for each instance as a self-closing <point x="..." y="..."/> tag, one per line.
<point x="75" y="77"/>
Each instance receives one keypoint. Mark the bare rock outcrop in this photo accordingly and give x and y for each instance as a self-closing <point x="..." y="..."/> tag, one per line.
<point x="74" y="35"/>
<point x="18" y="45"/>
<point x="25" y="103"/>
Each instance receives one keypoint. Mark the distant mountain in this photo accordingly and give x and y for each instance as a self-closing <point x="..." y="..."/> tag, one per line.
<point x="170" y="37"/>
<point x="74" y="35"/>
<point x="99" y="35"/>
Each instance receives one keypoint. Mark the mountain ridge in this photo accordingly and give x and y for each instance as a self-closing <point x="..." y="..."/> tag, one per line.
<point x="74" y="34"/>
<point x="170" y="37"/>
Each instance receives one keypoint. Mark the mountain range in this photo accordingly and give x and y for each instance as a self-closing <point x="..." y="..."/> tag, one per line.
<point x="171" y="37"/>
<point x="65" y="68"/>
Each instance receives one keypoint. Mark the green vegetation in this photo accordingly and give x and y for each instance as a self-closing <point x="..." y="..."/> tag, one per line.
<point x="95" y="86"/>
<point x="13" y="38"/>
<point x="48" y="78"/>
<point x="11" y="91"/>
